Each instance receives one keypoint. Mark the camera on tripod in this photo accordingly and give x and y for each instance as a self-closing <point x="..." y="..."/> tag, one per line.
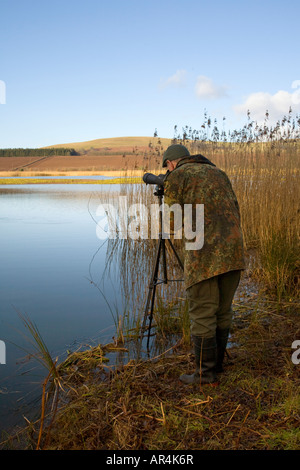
<point x="150" y="178"/>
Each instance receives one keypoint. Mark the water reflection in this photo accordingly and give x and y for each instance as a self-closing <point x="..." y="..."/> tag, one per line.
<point x="48" y="250"/>
<point x="79" y="290"/>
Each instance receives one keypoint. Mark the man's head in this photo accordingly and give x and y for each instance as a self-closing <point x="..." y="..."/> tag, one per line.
<point x="174" y="152"/>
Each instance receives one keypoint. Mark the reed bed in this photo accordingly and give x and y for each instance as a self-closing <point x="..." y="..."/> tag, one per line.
<point x="265" y="176"/>
<point x="266" y="181"/>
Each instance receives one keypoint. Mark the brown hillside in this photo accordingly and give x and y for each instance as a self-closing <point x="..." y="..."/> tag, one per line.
<point x="120" y="153"/>
<point x="114" y="143"/>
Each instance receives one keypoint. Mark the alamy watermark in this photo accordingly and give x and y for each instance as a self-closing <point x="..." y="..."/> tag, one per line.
<point x="2" y="92"/>
<point x="137" y="221"/>
<point x="2" y="352"/>
<point x="296" y="354"/>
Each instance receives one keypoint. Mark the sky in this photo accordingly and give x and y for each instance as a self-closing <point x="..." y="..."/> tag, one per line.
<point x="78" y="70"/>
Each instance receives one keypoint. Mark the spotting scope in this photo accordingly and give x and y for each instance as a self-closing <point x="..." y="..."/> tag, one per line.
<point x="150" y="178"/>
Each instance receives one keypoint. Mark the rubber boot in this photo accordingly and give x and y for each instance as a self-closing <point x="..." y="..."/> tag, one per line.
<point x="222" y="339"/>
<point x="205" y="358"/>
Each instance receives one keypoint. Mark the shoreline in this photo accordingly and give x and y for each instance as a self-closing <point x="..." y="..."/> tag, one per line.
<point x="25" y="174"/>
<point x="33" y="181"/>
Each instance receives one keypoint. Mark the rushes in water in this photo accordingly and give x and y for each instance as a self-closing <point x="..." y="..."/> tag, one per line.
<point x="43" y="356"/>
<point x="42" y="353"/>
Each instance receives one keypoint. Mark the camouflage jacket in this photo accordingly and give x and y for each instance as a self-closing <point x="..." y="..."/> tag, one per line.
<point x="196" y="180"/>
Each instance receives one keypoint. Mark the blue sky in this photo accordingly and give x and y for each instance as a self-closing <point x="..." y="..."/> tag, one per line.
<point x="79" y="70"/>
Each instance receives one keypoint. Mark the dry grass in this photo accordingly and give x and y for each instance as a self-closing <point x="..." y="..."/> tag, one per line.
<point x="143" y="406"/>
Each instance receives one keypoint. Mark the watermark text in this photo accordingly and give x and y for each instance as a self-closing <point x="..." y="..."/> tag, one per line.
<point x="137" y="221"/>
<point x="2" y="352"/>
<point x="296" y="354"/>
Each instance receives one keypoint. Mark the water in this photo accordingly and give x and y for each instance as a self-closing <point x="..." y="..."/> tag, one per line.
<point x="49" y="253"/>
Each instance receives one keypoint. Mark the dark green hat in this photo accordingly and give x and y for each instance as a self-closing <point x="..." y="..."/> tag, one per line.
<point x="174" y="152"/>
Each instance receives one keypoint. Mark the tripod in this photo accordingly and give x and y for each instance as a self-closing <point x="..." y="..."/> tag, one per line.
<point x="160" y="253"/>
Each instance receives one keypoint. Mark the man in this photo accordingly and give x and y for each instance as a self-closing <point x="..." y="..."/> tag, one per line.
<point x="212" y="273"/>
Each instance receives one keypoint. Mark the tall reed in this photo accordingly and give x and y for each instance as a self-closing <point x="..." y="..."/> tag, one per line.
<point x="263" y="164"/>
<point x="262" y="161"/>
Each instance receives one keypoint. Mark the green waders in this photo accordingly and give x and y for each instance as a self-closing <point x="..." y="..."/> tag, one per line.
<point x="210" y="316"/>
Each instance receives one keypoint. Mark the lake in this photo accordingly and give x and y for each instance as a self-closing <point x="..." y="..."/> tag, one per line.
<point x="49" y="253"/>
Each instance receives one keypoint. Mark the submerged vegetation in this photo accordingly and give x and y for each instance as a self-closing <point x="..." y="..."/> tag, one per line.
<point x="140" y="404"/>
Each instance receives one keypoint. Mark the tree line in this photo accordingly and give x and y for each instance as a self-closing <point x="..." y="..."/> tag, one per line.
<point x="28" y="152"/>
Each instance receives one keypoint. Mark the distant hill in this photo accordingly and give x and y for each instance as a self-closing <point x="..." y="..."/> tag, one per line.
<point x="113" y="154"/>
<point x="113" y="143"/>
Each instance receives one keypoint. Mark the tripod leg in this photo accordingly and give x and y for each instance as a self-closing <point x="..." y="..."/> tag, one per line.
<point x="164" y="261"/>
<point x="151" y="315"/>
<point x="175" y="253"/>
<point x="162" y="249"/>
<point x="152" y="289"/>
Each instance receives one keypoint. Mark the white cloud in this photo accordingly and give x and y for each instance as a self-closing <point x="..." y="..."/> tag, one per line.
<point x="176" y="80"/>
<point x="206" y="88"/>
<point x="277" y="105"/>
